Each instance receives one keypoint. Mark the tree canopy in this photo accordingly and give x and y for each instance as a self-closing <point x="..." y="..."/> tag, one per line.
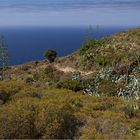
<point x="50" y="55"/>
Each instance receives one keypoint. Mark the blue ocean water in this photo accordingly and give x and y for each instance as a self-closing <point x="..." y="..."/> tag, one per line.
<point x="29" y="43"/>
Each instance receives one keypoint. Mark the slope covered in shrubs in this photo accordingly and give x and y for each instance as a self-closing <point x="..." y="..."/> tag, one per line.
<point x="41" y="101"/>
<point x="29" y="112"/>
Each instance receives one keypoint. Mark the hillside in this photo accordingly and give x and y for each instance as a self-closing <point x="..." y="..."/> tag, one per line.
<point x="116" y="57"/>
<point x="93" y="93"/>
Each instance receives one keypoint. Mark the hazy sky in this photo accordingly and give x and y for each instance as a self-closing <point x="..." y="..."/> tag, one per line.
<point x="69" y="12"/>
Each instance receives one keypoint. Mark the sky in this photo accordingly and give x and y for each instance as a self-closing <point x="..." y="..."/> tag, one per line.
<point x="69" y="12"/>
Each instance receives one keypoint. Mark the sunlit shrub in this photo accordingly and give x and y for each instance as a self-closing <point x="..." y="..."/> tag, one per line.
<point x="57" y="122"/>
<point x="107" y="88"/>
<point x="15" y="123"/>
<point x="8" y="89"/>
<point x="27" y="92"/>
<point x="90" y="44"/>
<point x="73" y="85"/>
<point x="106" y="125"/>
<point x="52" y="74"/>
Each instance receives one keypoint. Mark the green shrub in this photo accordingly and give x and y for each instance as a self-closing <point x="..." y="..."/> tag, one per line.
<point x="50" y="74"/>
<point x="73" y="85"/>
<point x="107" y="88"/>
<point x="50" y="55"/>
<point x="90" y="44"/>
<point x="104" y="59"/>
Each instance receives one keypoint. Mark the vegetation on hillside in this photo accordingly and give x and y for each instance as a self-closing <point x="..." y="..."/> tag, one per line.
<point x="42" y="100"/>
<point x="30" y="112"/>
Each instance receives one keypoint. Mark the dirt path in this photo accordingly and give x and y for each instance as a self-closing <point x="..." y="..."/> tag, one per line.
<point x="72" y="70"/>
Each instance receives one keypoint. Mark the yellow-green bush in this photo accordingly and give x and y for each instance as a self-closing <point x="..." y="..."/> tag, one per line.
<point x="60" y="113"/>
<point x="27" y="92"/>
<point x="107" y="88"/>
<point x="73" y="85"/>
<point x="9" y="88"/>
<point x="15" y="123"/>
<point x="106" y="125"/>
<point x="46" y="118"/>
<point x="17" y="119"/>
<point x="57" y="121"/>
<point x="16" y="89"/>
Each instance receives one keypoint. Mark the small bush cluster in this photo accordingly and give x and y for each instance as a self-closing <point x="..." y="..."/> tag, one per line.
<point x="10" y="90"/>
<point x="90" y="44"/>
<point x="70" y="84"/>
<point x="107" y="88"/>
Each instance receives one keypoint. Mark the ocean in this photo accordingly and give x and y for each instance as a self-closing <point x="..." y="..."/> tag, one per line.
<point x="29" y="43"/>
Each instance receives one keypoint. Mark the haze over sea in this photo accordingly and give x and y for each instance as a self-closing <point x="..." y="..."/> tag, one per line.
<point x="32" y="26"/>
